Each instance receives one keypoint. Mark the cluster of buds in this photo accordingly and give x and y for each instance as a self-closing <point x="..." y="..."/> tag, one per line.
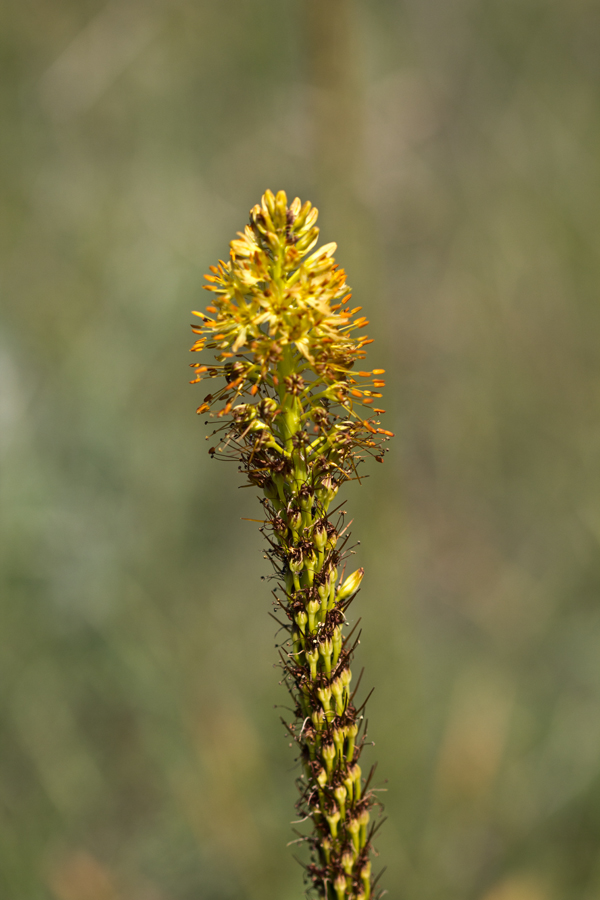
<point x="291" y="409"/>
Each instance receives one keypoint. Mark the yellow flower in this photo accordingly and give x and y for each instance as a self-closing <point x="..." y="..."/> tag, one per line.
<point x="283" y="331"/>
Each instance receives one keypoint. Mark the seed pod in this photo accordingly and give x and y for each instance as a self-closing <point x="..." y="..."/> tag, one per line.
<point x="351" y="732"/>
<point x="312" y="608"/>
<point x="338" y="735"/>
<point x="327" y="491"/>
<point x="348" y="861"/>
<point x="332" y="819"/>
<point x="326" y="649"/>
<point x="324" y="694"/>
<point x="328" y="753"/>
<point x="365" y="875"/>
<point x="353" y="827"/>
<point x="296" y="562"/>
<point x="356" y="775"/>
<point x="337" y="643"/>
<point x="363" y="818"/>
<point x="319" y="535"/>
<point x="326" y="846"/>
<point x="340" y="886"/>
<point x="301" y="619"/>
<point x="340" y="795"/>
<point x="312" y="657"/>
<point x="318" y="719"/>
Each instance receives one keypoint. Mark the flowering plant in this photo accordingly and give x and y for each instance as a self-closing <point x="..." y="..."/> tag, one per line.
<point x="291" y="409"/>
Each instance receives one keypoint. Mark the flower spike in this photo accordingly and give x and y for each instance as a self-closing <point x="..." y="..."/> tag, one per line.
<point x="290" y="409"/>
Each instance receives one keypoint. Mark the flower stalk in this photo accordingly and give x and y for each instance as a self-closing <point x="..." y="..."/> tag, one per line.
<point x="290" y="408"/>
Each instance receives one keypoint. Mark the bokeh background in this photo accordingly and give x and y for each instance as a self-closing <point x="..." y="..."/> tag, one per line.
<point x="453" y="149"/>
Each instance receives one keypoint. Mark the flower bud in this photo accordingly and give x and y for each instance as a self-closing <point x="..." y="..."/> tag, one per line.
<point x="350" y="585"/>
<point x="326" y="847"/>
<point x="308" y="240"/>
<point x="280" y="211"/>
<point x="322" y="778"/>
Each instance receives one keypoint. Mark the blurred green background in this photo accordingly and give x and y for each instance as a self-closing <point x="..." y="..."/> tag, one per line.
<point x="453" y="147"/>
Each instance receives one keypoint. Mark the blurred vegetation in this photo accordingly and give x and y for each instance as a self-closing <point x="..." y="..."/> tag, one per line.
<point x="141" y="757"/>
